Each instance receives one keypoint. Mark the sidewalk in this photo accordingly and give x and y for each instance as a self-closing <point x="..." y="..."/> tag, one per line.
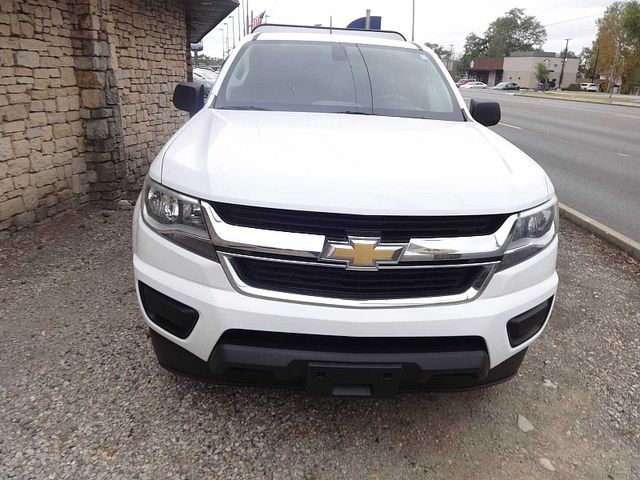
<point x="588" y="97"/>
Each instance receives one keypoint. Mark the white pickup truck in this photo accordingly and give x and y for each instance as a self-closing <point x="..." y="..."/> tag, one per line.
<point x="335" y="218"/>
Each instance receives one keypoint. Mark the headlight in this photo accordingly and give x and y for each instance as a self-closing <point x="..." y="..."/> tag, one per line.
<point x="533" y="231"/>
<point x="176" y="217"/>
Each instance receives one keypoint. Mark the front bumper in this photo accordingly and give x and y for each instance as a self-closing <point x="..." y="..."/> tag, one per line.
<point x="202" y="284"/>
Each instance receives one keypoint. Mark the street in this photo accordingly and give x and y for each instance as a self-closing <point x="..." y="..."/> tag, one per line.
<point x="83" y="397"/>
<point x="590" y="151"/>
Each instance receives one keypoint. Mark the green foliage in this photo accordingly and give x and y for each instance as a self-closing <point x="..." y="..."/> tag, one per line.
<point x="542" y="72"/>
<point x="514" y="32"/>
<point x="631" y="21"/>
<point x="474" y="46"/>
<point x="584" y="65"/>
<point x="439" y="50"/>
<point x="618" y="45"/>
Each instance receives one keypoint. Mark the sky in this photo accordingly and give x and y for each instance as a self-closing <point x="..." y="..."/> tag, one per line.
<point x="445" y="22"/>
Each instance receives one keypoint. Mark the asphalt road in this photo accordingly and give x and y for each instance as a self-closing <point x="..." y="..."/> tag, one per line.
<point x="590" y="151"/>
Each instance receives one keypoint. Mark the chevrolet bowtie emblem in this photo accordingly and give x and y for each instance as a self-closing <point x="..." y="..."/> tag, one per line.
<point x="362" y="252"/>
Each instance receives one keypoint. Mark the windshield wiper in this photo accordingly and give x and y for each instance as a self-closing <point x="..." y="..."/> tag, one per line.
<point x="244" y="107"/>
<point x="351" y="112"/>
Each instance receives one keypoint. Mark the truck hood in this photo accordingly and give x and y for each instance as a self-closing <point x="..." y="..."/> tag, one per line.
<point x="343" y="163"/>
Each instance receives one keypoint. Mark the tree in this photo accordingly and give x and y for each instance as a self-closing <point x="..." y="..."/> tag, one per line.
<point x="439" y="50"/>
<point x="585" y="59"/>
<point x="631" y="22"/>
<point x="474" y="46"/>
<point x="542" y="72"/>
<point x="616" y="44"/>
<point x="514" y="32"/>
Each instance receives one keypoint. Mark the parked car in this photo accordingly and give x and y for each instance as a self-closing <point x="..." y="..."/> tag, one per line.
<point x="206" y="77"/>
<point x="474" y="84"/>
<point x="506" y="86"/>
<point x="589" y="87"/>
<point x="325" y="234"/>
<point x="462" y="81"/>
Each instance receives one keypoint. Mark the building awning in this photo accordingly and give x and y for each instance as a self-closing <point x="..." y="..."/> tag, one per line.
<point x="486" y="63"/>
<point x="203" y="15"/>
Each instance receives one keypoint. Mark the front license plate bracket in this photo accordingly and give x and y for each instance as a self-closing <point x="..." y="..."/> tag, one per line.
<point x="353" y="379"/>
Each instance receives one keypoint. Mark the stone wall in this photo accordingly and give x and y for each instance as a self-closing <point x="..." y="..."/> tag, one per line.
<point x="42" y="168"/>
<point x="151" y="59"/>
<point x="85" y="99"/>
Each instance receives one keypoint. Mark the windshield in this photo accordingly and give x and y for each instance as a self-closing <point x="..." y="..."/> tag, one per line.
<point x="298" y="76"/>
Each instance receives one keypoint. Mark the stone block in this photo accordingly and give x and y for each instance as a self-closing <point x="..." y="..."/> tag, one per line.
<point x="11" y="207"/>
<point x="48" y="147"/>
<point x="90" y="22"/>
<point x="13" y="127"/>
<point x="37" y="105"/>
<point x="17" y="166"/>
<point x="28" y="59"/>
<point x="6" y="149"/>
<point x="19" y="98"/>
<point x="97" y="129"/>
<point x="39" y="162"/>
<point x="78" y="165"/>
<point x="32" y="44"/>
<point x="14" y="112"/>
<point x="21" y="181"/>
<point x="21" y="148"/>
<point x="91" y="63"/>
<point x="90" y="78"/>
<point x="63" y="103"/>
<point x="61" y="130"/>
<point x="67" y="76"/>
<point x="92" y="98"/>
<point x="30" y="198"/>
<point x="46" y="177"/>
<point x="37" y="119"/>
<point x="6" y="57"/>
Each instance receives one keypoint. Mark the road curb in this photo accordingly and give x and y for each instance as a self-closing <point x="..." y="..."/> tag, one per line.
<point x="593" y="102"/>
<point x="618" y="240"/>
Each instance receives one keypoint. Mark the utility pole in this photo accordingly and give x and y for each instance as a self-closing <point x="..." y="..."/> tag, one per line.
<point x="367" y="20"/>
<point x="449" y="61"/>
<point x="222" y="32"/>
<point x="226" y="33"/>
<point x="247" y="25"/>
<point x="564" y="60"/>
<point x="595" y="65"/>
<point x="233" y="31"/>
<point x="613" y="66"/>
<point x="413" y="20"/>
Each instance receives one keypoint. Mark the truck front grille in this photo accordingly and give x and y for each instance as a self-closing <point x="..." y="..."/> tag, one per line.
<point x="390" y="228"/>
<point x="329" y="282"/>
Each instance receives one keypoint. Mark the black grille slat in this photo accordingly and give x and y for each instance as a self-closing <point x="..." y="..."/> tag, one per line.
<point x="297" y="341"/>
<point x="393" y="283"/>
<point x="391" y="228"/>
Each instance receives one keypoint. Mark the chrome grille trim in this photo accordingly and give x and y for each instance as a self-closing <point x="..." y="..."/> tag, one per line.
<point x="239" y="285"/>
<point x="311" y="246"/>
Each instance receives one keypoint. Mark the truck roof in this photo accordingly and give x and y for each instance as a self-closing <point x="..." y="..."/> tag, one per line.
<point x="322" y="34"/>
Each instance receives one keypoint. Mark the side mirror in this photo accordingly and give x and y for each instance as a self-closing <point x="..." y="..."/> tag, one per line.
<point x="189" y="96"/>
<point x="486" y="113"/>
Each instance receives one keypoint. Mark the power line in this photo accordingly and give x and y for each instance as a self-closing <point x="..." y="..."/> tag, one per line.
<point x="572" y="20"/>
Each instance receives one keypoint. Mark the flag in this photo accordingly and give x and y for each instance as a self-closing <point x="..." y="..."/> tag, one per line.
<point x="257" y="20"/>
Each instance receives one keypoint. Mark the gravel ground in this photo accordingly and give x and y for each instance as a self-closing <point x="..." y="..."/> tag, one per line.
<point x="81" y="395"/>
